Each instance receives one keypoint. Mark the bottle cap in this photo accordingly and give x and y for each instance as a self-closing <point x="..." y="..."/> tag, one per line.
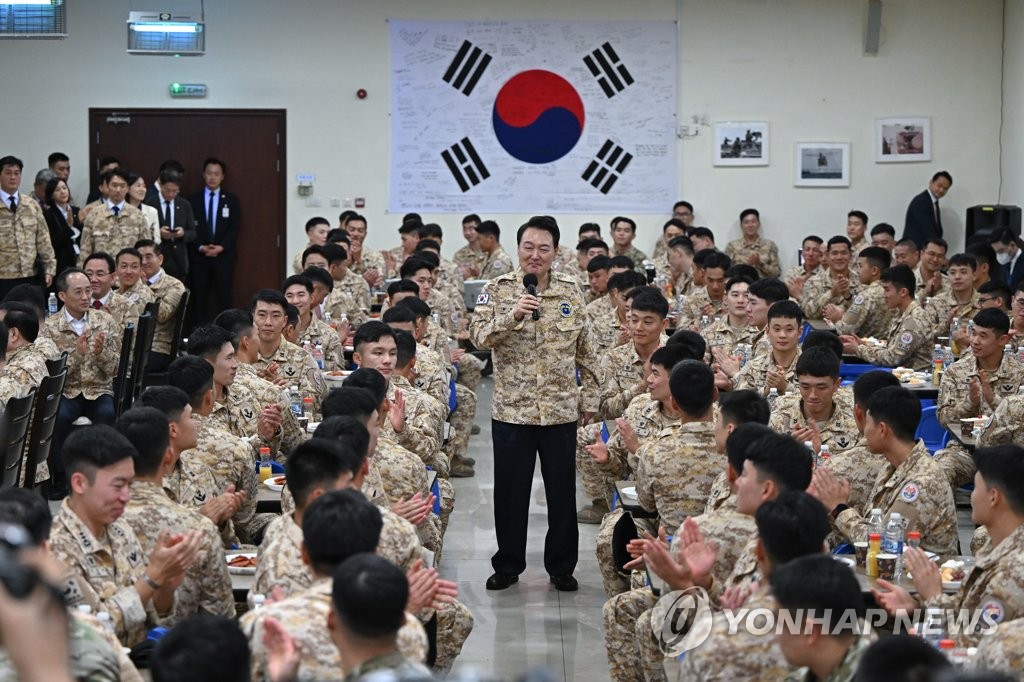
<point x="264" y="450"/>
<point x="875" y="536"/>
<point x="914" y="535"/>
<point x="307" y="399"/>
<point x="947" y="644"/>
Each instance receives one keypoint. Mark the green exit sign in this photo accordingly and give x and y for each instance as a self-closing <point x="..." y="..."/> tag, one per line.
<point x="188" y="90"/>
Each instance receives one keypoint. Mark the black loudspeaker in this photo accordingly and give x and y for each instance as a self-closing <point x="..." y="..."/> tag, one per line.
<point x="986" y="218"/>
<point x="874" y="27"/>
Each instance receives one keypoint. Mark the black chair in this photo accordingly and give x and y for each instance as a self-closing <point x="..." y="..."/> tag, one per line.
<point x="140" y="356"/>
<point x="177" y="328"/>
<point x="124" y="363"/>
<point x="44" y="416"/>
<point x="16" y="419"/>
<point x="55" y="367"/>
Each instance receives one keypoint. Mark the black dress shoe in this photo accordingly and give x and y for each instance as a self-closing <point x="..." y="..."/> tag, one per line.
<point x="565" y="583"/>
<point x="501" y="581"/>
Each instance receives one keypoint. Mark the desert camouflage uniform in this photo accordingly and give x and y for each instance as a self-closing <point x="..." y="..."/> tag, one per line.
<point x="754" y="375"/>
<point x="995" y="584"/>
<point x="497" y="263"/>
<point x="859" y="245"/>
<point x="675" y="471"/>
<point x="909" y="342"/>
<point x="340" y="302"/>
<point x="923" y="297"/>
<point x="533" y="388"/>
<point x="101" y="231"/>
<point x="24" y="370"/>
<point x="799" y="271"/>
<point x="206" y="587"/>
<point x="192" y="485"/>
<point x="744" y="572"/>
<point x="919" y="490"/>
<point x="737" y="656"/>
<point x="304" y="616"/>
<point x="1007" y="425"/>
<point x="762" y="344"/>
<point x="356" y="287"/>
<point x="230" y="461"/>
<point x="739" y="250"/>
<point x="138" y="297"/>
<point x="297" y="260"/>
<point x="838" y="432"/>
<point x="237" y="412"/>
<point x="119" y="308"/>
<point x="318" y="332"/>
<point x="860" y="467"/>
<point x="467" y="256"/>
<point x="170" y="291"/>
<point x="690" y="314"/>
<point x="91" y="375"/>
<point x="1003" y="650"/>
<point x="867" y="316"/>
<point x="721" y="495"/>
<point x="818" y="293"/>
<point x="47" y="347"/>
<point x="368" y="261"/>
<point x="622" y="379"/>
<point x="103" y="572"/>
<point x="683" y="284"/>
<point x="279" y="560"/>
<point x="432" y="376"/>
<point x="721" y="334"/>
<point x="632" y="253"/>
<point x="299" y="368"/>
<point x="604" y="331"/>
<point x="845" y="671"/>
<point x="402" y="475"/>
<point x="600" y="306"/>
<point x="423" y="433"/>
<point x="265" y="393"/>
<point x="620" y="614"/>
<point x="940" y="305"/>
<point x="461" y="419"/>
<point x="31" y="240"/>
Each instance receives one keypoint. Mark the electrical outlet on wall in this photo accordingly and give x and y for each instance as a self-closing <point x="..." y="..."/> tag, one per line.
<point x="314" y="202"/>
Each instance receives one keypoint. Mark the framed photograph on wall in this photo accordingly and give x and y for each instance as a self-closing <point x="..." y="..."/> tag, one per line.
<point x="822" y="164"/>
<point x="741" y="143"/>
<point x="902" y="140"/>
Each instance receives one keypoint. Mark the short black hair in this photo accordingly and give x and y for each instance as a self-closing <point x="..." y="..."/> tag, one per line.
<point x="994" y="319"/>
<point x="315" y="275"/>
<point x="876" y="257"/>
<point x="350" y="432"/>
<point x="369" y="595"/>
<point x="61" y="283"/>
<point x="317" y="462"/>
<point x="337" y="525"/>
<point x="414" y="264"/>
<point x="403" y="285"/>
<point x="371" y="332"/>
<point x="316" y="220"/>
<point x="55" y="157"/>
<point x="883" y="228"/>
<point x="938" y="241"/>
<point x="589" y="227"/>
<point x="899" y="408"/>
<point x="792" y="525"/>
<point x="813" y="238"/>
<point x="686" y="204"/>
<point x="943" y="174"/>
<point x="984" y="253"/>
<point x="738" y="279"/>
<point x="908" y="243"/>
<point x="622" y="262"/>
<point x="208" y="341"/>
<point x="839" y="239"/>
<point x="740" y="270"/>
<point x="818" y="362"/>
<point x="997" y="290"/>
<point x="715" y="260"/>
<point x="236" y="322"/>
<point x="312" y="249"/>
<point x="271" y="296"/>
<point x="906" y="658"/>
<point x="870" y="383"/>
<point x="22" y="507"/>
<point x="693" y="344"/>
<point x="489" y="227"/>
<point x="744" y="407"/>
<point x="406" y="346"/>
<point x="673" y="222"/>
<point x="626" y="280"/>
<point x="771" y="289"/>
<point x="964" y="259"/>
<point x="398" y="314"/>
<point x="1002" y="467"/>
<point x="693" y="387"/>
<point x="417" y="305"/>
<point x="599" y="262"/>
<point x="297" y="280"/>
<point x="750" y="211"/>
<point x="22" y="317"/>
<point x="147" y="429"/>
<point x="787" y="310"/>
<point x="89" y="448"/>
<point x="431" y="231"/>
<point x="591" y="243"/>
<point x="781" y="458"/>
<point x="817" y="583"/>
<point x="335" y="252"/>
<point x="821" y="338"/>
<point x="103" y="256"/>
<point x="12" y="161"/>
<point x="670" y="355"/>
<point x="540" y="222"/>
<point x="740" y="440"/>
<point x="29" y="294"/>
<point x="623" y="219"/>
<point x="682" y="242"/>
<point x="704" y="232"/>
<point x="128" y="251"/>
<point x="410" y="225"/>
<point x="193" y="375"/>
<point x="353" y="401"/>
<point x="901" y="277"/>
<point x="202" y="648"/>
<point x="168" y="399"/>
<point x="650" y="300"/>
<point x="425" y="243"/>
<point x="370" y="379"/>
<point x="860" y="215"/>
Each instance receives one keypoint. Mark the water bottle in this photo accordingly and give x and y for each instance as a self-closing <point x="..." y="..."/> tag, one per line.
<point x="318" y="355"/>
<point x="773" y="395"/>
<point x="1020" y="353"/>
<point x="933" y="628"/>
<point x="938" y="360"/>
<point x="1008" y="349"/>
<point x="823" y="457"/>
<point x="704" y="322"/>
<point x="328" y="319"/>
<point x="307" y="408"/>
<point x="295" y="398"/>
<point x="948" y="359"/>
<point x="256" y="600"/>
<point x="84" y="609"/>
<point x="953" y="329"/>
<point x="892" y="542"/>
<point x="51" y="304"/>
<point x="875" y="522"/>
<point x="343" y="319"/>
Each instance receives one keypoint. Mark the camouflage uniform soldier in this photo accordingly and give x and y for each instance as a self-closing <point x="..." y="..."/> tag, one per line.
<point x="676" y="470"/>
<point x="296" y="366"/>
<point x="868" y="315"/>
<point x="740" y="250"/>
<point x="724" y="336"/>
<point x="138" y="295"/>
<point x="498" y="263"/>
<point x="860" y="467"/>
<point x="1007" y="425"/>
<point x="169" y="291"/>
<point x="839" y="431"/>
<point x="835" y="283"/>
<point x="24" y="370"/>
<point x="317" y="333"/>
<point x="943" y="307"/>
<point x="754" y="374"/>
<point x="115" y="224"/>
<point x="22" y="219"/>
<point x="191" y="484"/>
<point x="692" y="311"/>
<point x="279" y="562"/>
<point x="1003" y="650"/>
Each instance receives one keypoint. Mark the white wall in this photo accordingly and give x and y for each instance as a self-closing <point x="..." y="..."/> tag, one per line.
<point x="797" y="63"/>
<point x="1012" y="152"/>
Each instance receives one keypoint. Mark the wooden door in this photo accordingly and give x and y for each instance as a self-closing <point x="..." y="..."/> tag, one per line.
<point x="251" y="142"/>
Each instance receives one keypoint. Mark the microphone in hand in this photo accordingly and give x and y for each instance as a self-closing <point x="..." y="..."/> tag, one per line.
<point x="530" y="282"/>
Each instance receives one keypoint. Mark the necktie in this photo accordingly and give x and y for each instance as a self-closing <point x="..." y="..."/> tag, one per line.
<point x="167" y="213"/>
<point x="96" y="304"/>
<point x="116" y="210"/>
<point x="14" y="205"/>
<point x="938" y="219"/>
<point x="211" y="218"/>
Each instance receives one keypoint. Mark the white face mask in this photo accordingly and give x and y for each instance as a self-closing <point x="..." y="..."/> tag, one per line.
<point x="1003" y="258"/>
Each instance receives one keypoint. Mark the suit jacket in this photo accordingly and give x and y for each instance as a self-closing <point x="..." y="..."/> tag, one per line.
<point x="176" y="249"/>
<point x="920" y="223"/>
<point x="226" y="233"/>
<point x="63" y="237"/>
<point x="1014" y="278"/>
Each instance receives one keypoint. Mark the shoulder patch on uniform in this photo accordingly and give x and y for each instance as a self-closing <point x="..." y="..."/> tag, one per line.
<point x="994" y="610"/>
<point x="859" y="299"/>
<point x="910" y="492"/>
<point x="843" y="441"/>
<point x="906" y="337"/>
<point x="565" y="308"/>
<point x="483" y="298"/>
<point x="1007" y="388"/>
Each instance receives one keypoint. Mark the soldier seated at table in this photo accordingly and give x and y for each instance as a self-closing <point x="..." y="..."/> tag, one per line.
<point x="911" y="483"/>
<point x="867" y="315"/>
<point x="976" y="385"/>
<point x="777" y="368"/>
<point x="732" y="328"/>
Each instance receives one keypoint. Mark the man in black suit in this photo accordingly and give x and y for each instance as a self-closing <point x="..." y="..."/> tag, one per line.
<point x="924" y="221"/>
<point x="1008" y="249"/>
<point x="177" y="225"/>
<point x="213" y="259"/>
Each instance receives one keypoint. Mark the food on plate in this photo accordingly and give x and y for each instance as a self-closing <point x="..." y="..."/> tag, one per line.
<point x="242" y="561"/>
<point x="279" y="480"/>
<point x="952" y="571"/>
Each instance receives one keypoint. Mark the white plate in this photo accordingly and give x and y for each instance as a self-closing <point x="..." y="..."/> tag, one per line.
<point x="276" y="487"/>
<point x="629" y="491"/>
<point x="311" y="427"/>
<point x="952" y="585"/>
<point x="336" y="378"/>
<point x="240" y="571"/>
<point x="849" y="560"/>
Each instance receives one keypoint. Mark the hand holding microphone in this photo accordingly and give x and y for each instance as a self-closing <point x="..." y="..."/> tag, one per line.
<point x="528" y="303"/>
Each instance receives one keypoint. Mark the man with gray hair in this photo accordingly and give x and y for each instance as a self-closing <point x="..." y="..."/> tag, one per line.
<point x="39" y="186"/>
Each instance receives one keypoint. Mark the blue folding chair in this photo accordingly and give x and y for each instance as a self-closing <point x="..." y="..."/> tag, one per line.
<point x="933" y="433"/>
<point x="452" y="400"/>
<point x="435" y="489"/>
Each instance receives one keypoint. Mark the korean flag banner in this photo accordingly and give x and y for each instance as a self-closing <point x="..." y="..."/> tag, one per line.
<point x="533" y="117"/>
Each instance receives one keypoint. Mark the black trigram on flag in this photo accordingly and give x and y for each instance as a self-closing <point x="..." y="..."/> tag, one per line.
<point x="465" y="164"/>
<point x="611" y="74"/>
<point x="465" y="70"/>
<point x="607" y="167"/>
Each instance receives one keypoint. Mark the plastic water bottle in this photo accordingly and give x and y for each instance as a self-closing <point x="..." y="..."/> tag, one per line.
<point x="256" y="600"/>
<point x="933" y="626"/>
<point x="295" y="398"/>
<point x="773" y="395"/>
<point x="51" y="304"/>
<point x="318" y="355"/>
<point x="953" y="329"/>
<point x="1020" y="353"/>
<point x="307" y="408"/>
<point x="1008" y="349"/>
<point x="948" y="359"/>
<point x="938" y="361"/>
<point x="328" y="319"/>
<point x="823" y="458"/>
<point x="875" y="522"/>
<point x="892" y="539"/>
<point x="704" y="322"/>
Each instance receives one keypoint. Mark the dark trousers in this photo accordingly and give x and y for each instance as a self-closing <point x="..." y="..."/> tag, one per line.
<point x="211" y="283"/>
<point x="99" y="411"/>
<point x="7" y="284"/>
<point x="516" y="447"/>
<point x="158" y="362"/>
